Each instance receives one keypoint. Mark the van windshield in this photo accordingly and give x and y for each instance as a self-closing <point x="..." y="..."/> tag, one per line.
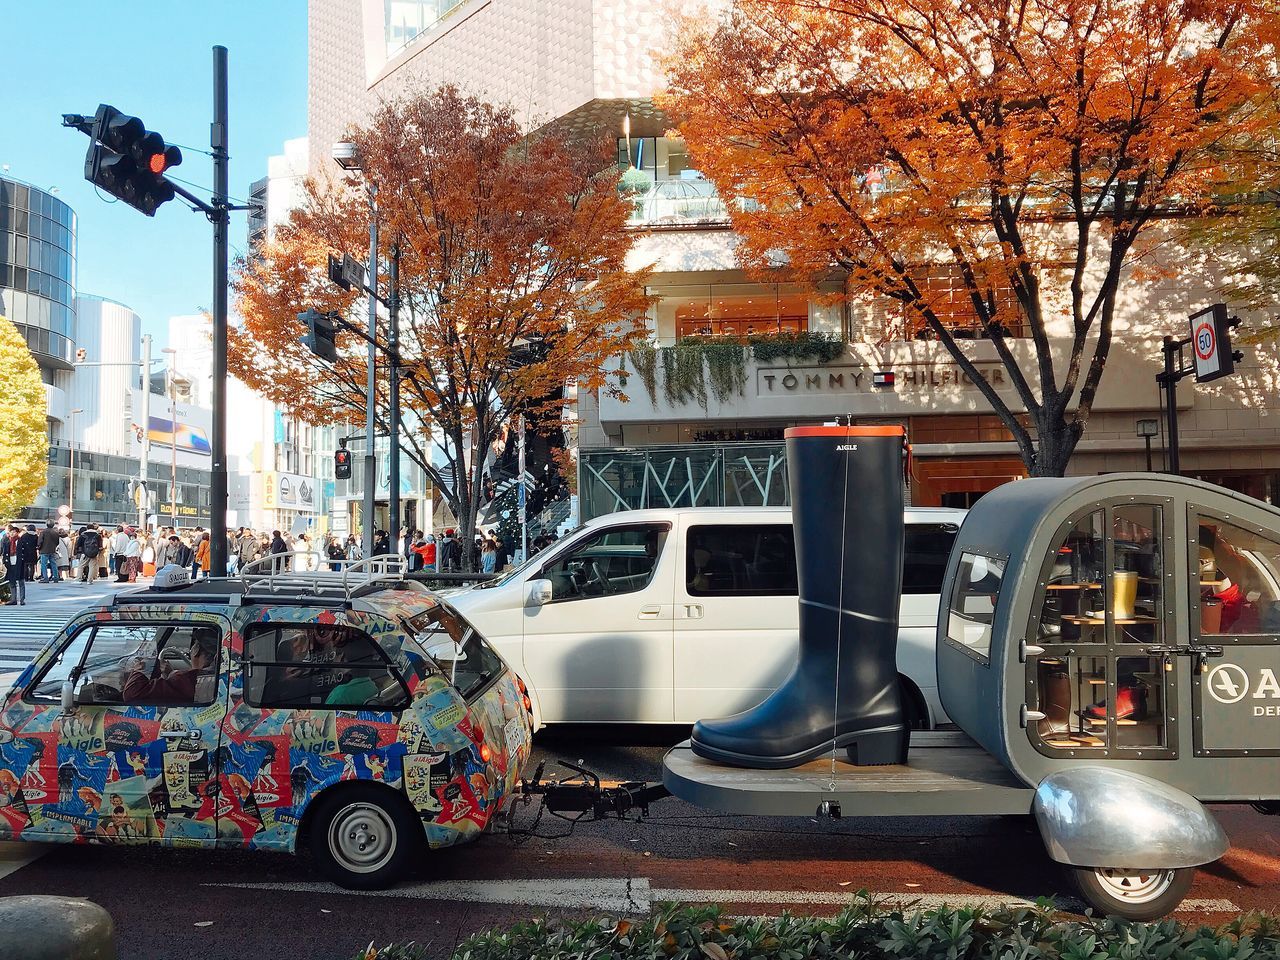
<point x="517" y="571"/>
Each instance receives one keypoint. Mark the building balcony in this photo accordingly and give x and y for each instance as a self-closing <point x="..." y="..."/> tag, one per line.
<point x="55" y="401"/>
<point x="679" y="202"/>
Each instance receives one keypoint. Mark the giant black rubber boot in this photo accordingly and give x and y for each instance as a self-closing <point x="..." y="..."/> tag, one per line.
<point x="846" y="505"/>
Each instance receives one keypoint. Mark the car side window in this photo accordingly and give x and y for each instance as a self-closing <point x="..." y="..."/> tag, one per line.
<point x="319" y="666"/>
<point x="924" y="562"/>
<point x="136" y="664"/>
<point x="738" y="560"/>
<point x="614" y="561"/>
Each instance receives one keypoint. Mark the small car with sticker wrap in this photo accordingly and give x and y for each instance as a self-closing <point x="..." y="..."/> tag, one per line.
<point x="352" y="714"/>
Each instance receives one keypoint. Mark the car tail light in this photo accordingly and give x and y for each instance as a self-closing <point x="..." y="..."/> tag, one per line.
<point x="528" y="704"/>
<point x="485" y="752"/>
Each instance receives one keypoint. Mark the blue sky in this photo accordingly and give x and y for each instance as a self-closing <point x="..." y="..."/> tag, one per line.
<point x="154" y="60"/>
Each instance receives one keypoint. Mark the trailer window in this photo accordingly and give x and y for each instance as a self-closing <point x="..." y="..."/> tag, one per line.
<point x="973" y="603"/>
<point x="1239" y="580"/>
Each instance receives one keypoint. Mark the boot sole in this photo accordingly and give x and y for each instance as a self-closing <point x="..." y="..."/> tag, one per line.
<point x="880" y="746"/>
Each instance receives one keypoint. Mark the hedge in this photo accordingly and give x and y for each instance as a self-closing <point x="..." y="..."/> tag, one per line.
<point x="864" y="930"/>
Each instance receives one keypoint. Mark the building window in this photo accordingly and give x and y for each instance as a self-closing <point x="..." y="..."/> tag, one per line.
<point x="944" y="289"/>
<point x="741" y="310"/>
<point x="404" y="19"/>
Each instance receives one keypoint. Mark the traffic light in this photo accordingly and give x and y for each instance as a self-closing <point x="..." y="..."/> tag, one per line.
<point x="342" y="464"/>
<point x="321" y="335"/>
<point x="129" y="161"/>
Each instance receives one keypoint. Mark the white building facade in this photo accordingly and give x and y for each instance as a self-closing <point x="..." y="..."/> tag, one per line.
<point x="589" y="63"/>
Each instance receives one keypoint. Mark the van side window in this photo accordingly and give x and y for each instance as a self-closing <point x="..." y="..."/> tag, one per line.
<point x="613" y="561"/>
<point x="318" y="666"/>
<point x="723" y="560"/>
<point x="924" y="563"/>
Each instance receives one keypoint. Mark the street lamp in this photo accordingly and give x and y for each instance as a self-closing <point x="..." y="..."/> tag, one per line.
<point x="173" y="437"/>
<point x="71" y="474"/>
<point x="1147" y="429"/>
<point x="347" y="156"/>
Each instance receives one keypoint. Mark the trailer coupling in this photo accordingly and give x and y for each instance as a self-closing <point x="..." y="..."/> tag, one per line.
<point x="586" y="794"/>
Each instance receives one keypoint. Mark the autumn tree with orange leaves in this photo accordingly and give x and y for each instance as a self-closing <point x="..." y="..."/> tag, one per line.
<point x="512" y="282"/>
<point x="1024" y="150"/>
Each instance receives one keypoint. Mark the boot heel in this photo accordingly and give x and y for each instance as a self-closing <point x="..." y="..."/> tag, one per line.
<point x="879" y="747"/>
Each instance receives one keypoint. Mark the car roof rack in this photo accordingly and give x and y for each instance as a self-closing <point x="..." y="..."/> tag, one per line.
<point x="268" y="576"/>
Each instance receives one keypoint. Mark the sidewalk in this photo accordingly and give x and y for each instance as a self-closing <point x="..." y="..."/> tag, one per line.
<point x="24" y="630"/>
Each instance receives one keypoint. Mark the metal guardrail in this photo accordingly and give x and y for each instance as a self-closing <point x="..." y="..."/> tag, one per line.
<point x="432" y="579"/>
<point x="268" y="574"/>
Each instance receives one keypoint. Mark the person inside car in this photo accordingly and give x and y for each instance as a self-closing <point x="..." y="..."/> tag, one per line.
<point x="177" y="686"/>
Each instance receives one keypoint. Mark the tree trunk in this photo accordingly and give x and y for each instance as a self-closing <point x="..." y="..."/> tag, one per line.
<point x="1056" y="442"/>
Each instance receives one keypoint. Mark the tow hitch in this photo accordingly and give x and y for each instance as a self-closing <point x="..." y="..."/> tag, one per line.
<point x="586" y="795"/>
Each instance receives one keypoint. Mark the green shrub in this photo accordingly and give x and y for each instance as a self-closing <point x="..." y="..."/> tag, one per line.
<point x="865" y="931"/>
<point x="802" y="345"/>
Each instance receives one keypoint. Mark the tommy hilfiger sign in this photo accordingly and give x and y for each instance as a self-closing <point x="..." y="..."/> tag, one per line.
<point x="859" y="379"/>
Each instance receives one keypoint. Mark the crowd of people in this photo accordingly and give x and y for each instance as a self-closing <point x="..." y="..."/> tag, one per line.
<point x="54" y="554"/>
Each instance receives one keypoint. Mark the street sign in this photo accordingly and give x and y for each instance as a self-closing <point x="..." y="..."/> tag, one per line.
<point x="1211" y="343"/>
<point x="353" y="271"/>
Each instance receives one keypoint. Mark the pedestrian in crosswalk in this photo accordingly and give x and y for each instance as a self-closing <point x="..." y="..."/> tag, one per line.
<point x="49" y="543"/>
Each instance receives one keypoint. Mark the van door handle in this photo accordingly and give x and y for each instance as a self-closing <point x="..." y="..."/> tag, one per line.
<point x="652" y="612"/>
<point x="181" y="734"/>
<point x="693" y="611"/>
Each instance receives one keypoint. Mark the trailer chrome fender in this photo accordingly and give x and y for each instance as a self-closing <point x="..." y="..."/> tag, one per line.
<point x="1096" y="816"/>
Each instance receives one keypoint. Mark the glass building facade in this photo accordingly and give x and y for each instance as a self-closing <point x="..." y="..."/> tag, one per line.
<point x="102" y="489"/>
<point x="38" y="271"/>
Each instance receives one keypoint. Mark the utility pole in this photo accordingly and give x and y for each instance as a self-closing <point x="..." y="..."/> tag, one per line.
<point x="371" y="384"/>
<point x="144" y="415"/>
<point x="1173" y="372"/>
<point x="393" y="352"/>
<point x="221" y="217"/>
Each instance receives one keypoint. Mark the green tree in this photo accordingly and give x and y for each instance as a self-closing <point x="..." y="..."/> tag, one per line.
<point x="24" y="440"/>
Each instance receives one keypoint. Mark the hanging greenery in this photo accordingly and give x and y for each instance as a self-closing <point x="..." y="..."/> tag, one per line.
<point x="683" y="378"/>
<point x="720" y="363"/>
<point x="726" y="365"/>
<point x="644" y="360"/>
<point x="802" y="345"/>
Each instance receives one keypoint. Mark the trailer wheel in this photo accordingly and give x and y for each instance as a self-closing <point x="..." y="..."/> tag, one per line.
<point x="1133" y="894"/>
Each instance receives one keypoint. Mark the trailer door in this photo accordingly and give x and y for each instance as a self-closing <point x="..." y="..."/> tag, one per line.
<point x="1103" y="662"/>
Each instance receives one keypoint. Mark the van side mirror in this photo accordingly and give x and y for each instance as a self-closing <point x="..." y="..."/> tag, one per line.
<point x="68" y="696"/>
<point x="540" y="592"/>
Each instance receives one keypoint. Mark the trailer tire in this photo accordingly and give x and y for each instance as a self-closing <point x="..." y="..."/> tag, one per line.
<point x="1133" y="894"/>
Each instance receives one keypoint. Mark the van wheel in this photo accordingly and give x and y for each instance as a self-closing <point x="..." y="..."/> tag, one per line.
<point x="1133" y="894"/>
<point x="362" y="838"/>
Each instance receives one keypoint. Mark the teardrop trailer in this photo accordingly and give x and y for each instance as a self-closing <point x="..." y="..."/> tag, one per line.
<point x="1109" y="649"/>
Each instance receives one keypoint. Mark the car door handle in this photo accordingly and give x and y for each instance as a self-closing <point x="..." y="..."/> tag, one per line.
<point x="692" y="611"/>
<point x="181" y="734"/>
<point x="652" y="612"/>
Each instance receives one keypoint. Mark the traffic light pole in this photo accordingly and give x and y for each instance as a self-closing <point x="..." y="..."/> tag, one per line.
<point x="221" y="217"/>
<point x="393" y="352"/>
<point x="1174" y="370"/>
<point x="371" y="384"/>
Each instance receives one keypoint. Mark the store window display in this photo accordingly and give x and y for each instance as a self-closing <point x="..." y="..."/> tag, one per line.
<point x="1101" y="608"/>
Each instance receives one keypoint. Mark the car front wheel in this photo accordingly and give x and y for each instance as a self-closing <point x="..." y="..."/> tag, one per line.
<point x="1133" y="894"/>
<point x="362" y="838"/>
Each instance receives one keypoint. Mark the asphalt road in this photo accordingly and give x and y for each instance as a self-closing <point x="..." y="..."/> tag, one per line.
<point x="233" y="905"/>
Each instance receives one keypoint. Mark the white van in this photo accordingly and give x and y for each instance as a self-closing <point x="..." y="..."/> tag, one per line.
<point x="669" y="616"/>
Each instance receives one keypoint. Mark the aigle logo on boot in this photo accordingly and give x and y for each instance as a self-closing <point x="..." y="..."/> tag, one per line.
<point x="846" y="446"/>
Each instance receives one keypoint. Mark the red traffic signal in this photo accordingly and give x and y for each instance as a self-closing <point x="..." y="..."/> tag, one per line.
<point x="128" y="161"/>
<point x="342" y="464"/>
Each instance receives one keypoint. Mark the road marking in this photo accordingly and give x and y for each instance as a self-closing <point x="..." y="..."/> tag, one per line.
<point x="615" y="895"/>
<point x="15" y="856"/>
<point x="612" y="895"/>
